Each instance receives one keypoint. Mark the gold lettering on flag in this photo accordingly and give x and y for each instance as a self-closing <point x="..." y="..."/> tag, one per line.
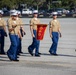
<point x="41" y="31"/>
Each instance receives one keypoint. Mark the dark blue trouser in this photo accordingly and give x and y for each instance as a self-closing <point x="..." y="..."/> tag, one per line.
<point x="20" y="46"/>
<point x="35" y="44"/>
<point x="12" y="52"/>
<point x="2" y="38"/>
<point x="55" y="38"/>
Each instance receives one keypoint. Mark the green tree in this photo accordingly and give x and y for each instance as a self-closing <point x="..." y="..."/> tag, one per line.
<point x="38" y="3"/>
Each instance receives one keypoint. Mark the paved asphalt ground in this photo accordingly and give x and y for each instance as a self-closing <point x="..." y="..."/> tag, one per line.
<point x="63" y="64"/>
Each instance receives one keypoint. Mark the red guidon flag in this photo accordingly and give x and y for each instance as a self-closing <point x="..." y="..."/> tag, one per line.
<point x="41" y="31"/>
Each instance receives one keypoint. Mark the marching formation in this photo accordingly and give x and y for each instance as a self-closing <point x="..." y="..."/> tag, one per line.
<point x="16" y="32"/>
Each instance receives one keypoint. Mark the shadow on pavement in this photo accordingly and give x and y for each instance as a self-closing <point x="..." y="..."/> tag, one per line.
<point x="59" y="55"/>
<point x="66" y="55"/>
<point x="5" y="60"/>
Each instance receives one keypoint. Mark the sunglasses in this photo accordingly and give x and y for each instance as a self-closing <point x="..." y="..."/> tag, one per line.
<point x="14" y="15"/>
<point x="54" y="15"/>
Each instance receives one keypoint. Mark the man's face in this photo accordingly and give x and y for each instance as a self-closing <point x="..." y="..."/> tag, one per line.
<point x="54" y="16"/>
<point x="14" y="17"/>
<point x="35" y="15"/>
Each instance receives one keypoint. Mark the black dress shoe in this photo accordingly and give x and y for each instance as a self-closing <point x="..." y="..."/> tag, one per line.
<point x="37" y="55"/>
<point x="17" y="57"/>
<point x="9" y="57"/>
<point x="50" y="53"/>
<point x="16" y="60"/>
<point x="3" y="53"/>
<point x="30" y="52"/>
<point x="20" y="52"/>
<point x="54" y="54"/>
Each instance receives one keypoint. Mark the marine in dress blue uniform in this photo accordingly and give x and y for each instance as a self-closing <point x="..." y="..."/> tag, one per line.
<point x="33" y="28"/>
<point x="2" y="33"/>
<point x="14" y="34"/>
<point x="55" y="32"/>
<point x="21" y="31"/>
